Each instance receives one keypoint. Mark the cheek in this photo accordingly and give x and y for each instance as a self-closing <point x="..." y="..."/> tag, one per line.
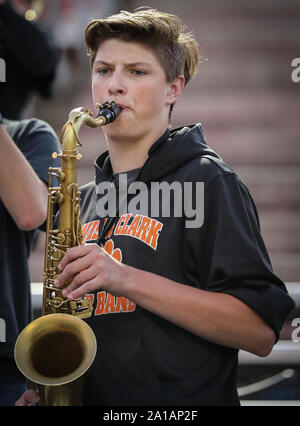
<point x="97" y="90"/>
<point x="94" y="93"/>
<point x="154" y="97"/>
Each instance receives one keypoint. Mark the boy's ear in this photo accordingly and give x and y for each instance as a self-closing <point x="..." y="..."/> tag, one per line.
<point x="175" y="89"/>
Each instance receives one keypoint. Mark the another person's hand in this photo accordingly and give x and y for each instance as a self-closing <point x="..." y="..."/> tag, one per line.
<point x="29" y="397"/>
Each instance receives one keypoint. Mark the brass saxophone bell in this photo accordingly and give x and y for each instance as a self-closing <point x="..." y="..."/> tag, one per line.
<point x="54" y="351"/>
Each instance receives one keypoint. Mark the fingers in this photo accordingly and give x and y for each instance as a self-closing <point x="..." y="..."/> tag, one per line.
<point x="30" y="397"/>
<point x="80" y="265"/>
<point x="87" y="268"/>
<point x="82" y="279"/>
<point x="75" y="253"/>
<point x="83" y="289"/>
<point x="71" y="269"/>
<point x="74" y="261"/>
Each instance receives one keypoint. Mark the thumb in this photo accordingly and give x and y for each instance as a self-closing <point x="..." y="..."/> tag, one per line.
<point x="30" y="397"/>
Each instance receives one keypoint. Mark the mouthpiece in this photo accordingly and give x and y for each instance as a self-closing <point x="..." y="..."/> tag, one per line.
<point x="109" y="111"/>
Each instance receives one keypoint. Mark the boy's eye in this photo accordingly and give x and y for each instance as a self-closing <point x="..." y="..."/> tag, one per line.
<point x="138" y="72"/>
<point x="103" y="71"/>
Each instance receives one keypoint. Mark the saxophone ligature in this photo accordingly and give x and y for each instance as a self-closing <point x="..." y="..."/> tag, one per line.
<point x="55" y="350"/>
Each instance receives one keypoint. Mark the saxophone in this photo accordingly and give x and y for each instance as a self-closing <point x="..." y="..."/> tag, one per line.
<point x="55" y="350"/>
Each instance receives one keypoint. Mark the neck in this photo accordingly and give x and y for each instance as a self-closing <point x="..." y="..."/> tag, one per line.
<point x="130" y="155"/>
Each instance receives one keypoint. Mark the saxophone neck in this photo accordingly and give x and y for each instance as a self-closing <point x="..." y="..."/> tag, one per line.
<point x="78" y="117"/>
<point x="82" y="116"/>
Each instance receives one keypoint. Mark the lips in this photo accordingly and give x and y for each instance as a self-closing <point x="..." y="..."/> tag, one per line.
<point x="123" y="107"/>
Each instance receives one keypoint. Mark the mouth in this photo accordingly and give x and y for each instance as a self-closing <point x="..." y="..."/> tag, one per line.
<point x="123" y="107"/>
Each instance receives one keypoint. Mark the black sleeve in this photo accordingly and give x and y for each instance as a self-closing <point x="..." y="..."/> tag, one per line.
<point x="31" y="47"/>
<point x="231" y="254"/>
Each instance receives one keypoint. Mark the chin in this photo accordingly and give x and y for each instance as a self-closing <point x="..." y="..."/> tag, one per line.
<point x="115" y="134"/>
<point x="118" y="130"/>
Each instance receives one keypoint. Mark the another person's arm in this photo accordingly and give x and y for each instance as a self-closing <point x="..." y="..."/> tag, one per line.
<point x="23" y="193"/>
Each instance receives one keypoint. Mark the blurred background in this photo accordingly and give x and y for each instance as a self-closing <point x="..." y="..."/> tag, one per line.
<point x="249" y="107"/>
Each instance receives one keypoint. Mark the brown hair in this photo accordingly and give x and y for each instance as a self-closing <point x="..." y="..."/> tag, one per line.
<point x="175" y="48"/>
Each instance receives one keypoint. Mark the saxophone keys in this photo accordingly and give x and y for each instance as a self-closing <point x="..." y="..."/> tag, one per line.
<point x="57" y="197"/>
<point x="60" y="237"/>
<point x="57" y="254"/>
<point x="60" y="174"/>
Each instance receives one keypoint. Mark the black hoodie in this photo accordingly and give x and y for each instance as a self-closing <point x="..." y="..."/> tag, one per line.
<point x="30" y="59"/>
<point x="143" y="359"/>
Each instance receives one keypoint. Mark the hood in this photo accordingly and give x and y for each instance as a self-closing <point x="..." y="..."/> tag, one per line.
<point x="172" y="150"/>
<point x="180" y="147"/>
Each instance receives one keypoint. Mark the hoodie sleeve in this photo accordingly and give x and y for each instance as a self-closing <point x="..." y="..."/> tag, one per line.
<point x="230" y="254"/>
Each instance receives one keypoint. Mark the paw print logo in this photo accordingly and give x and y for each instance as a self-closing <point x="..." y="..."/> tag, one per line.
<point x="109" y="247"/>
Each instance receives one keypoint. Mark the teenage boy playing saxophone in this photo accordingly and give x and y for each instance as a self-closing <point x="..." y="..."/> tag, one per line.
<point x="173" y="302"/>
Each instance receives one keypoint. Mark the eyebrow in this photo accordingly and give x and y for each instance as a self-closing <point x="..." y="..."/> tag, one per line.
<point x="129" y="64"/>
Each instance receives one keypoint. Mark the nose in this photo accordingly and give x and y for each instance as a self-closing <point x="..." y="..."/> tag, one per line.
<point x="116" y="84"/>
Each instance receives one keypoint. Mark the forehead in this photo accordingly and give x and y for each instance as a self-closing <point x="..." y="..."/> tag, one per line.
<point x="115" y="50"/>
